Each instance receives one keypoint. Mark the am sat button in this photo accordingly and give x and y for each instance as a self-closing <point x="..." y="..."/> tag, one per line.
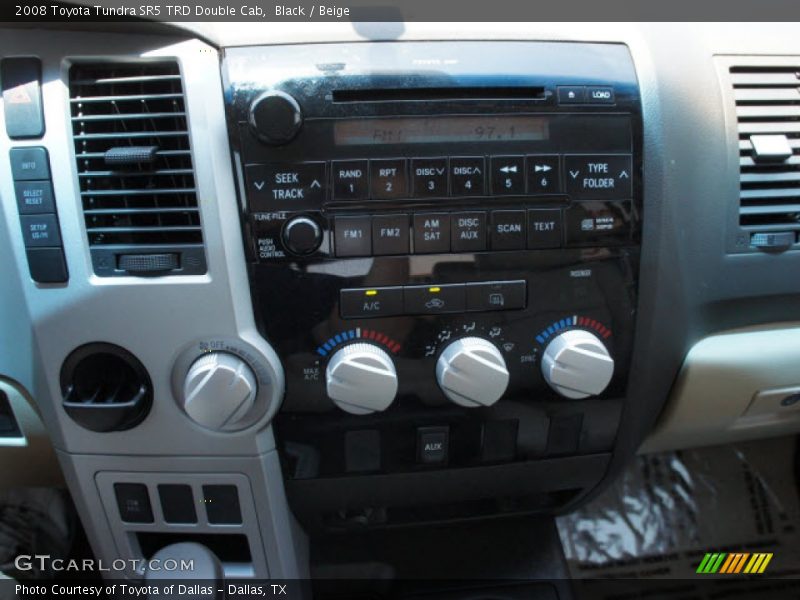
<point x="362" y="303"/>
<point x="433" y="299"/>
<point x="496" y="295"/>
<point x="431" y="233"/>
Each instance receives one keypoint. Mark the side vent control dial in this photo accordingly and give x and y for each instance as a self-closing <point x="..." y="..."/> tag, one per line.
<point x="219" y="390"/>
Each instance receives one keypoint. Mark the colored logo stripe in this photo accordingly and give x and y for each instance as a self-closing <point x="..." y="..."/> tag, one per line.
<point x="734" y="563"/>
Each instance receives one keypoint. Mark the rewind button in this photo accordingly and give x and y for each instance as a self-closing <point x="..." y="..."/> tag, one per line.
<point x="508" y="175"/>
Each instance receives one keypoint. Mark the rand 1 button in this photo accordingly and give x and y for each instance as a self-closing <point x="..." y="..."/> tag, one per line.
<point x="544" y="228"/>
<point x="390" y="234"/>
<point x="388" y="178"/>
<point x="508" y="175"/>
<point x="496" y="295"/>
<point x="350" y="179"/>
<point x="34" y="197"/>
<point x="274" y="185"/>
<point x="599" y="177"/>
<point x="508" y="230"/>
<point x="29" y="162"/>
<point x="468" y="232"/>
<point x="431" y="233"/>
<point x="353" y="236"/>
<point x="362" y="303"/>
<point x="467" y="175"/>
<point x="429" y="177"/>
<point x="433" y="299"/>
<point x="544" y="174"/>
<point x="40" y="230"/>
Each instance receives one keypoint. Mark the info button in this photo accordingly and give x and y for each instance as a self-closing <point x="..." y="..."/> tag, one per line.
<point x="371" y="302"/>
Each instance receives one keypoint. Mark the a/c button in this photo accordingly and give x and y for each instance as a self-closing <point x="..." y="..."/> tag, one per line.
<point x="363" y="303"/>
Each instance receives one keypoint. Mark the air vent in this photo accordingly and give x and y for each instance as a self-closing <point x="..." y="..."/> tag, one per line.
<point x="135" y="168"/>
<point x="768" y="114"/>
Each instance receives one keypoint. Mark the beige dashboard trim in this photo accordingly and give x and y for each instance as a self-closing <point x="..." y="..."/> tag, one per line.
<point x="28" y="460"/>
<point x="727" y="387"/>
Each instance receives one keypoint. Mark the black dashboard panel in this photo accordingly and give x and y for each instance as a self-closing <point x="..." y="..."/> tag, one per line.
<point x="408" y="197"/>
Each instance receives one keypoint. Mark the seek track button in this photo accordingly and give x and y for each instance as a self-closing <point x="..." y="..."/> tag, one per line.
<point x="274" y="185"/>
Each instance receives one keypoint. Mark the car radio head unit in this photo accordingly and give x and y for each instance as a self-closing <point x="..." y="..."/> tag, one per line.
<point x="443" y="242"/>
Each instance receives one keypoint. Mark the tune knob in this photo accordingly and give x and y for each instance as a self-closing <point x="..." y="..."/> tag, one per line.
<point x="361" y="379"/>
<point x="577" y="365"/>
<point x="219" y="390"/>
<point x="302" y="235"/>
<point x="275" y="117"/>
<point x="472" y="372"/>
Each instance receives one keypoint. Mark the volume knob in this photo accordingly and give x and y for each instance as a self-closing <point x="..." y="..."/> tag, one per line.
<point x="361" y="379"/>
<point x="577" y="365"/>
<point x="472" y="372"/>
<point x="219" y="390"/>
<point x="275" y="117"/>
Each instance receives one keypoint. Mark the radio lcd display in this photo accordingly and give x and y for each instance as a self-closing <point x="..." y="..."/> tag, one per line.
<point x="421" y="130"/>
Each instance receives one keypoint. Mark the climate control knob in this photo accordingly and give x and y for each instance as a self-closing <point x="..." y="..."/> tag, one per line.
<point x="472" y="372"/>
<point x="577" y="365"/>
<point x="219" y="390"/>
<point x="361" y="379"/>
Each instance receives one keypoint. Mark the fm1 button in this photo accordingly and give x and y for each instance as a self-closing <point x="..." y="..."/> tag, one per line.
<point x="353" y="236"/>
<point x="544" y="175"/>
<point x="302" y="235"/>
<point x="373" y="302"/>
<point x="544" y="228"/>
<point x="508" y="230"/>
<point x="508" y="175"/>
<point x="467" y="176"/>
<point x="350" y="180"/>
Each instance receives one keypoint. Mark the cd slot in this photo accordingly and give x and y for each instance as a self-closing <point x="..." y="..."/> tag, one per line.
<point x="429" y="94"/>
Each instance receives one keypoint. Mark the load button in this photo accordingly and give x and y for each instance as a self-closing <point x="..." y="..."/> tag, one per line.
<point x="599" y="177"/>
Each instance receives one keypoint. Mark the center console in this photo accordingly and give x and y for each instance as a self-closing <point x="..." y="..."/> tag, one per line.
<point x="443" y="248"/>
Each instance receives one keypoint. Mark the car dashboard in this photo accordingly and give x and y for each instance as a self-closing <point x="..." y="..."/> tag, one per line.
<point x="268" y="284"/>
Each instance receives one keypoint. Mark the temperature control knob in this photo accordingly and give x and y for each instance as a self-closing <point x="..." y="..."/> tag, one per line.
<point x="361" y="379"/>
<point x="275" y="117"/>
<point x="472" y="372"/>
<point x="219" y="390"/>
<point x="577" y="365"/>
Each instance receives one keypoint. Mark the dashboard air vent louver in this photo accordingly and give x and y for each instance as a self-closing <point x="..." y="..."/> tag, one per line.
<point x="135" y="168"/>
<point x="768" y="115"/>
